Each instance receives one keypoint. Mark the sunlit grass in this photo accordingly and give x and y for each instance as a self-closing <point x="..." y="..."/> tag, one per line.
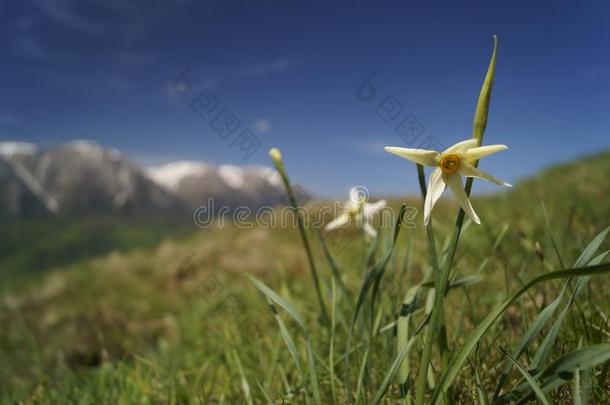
<point x="236" y="315"/>
<point x="140" y="326"/>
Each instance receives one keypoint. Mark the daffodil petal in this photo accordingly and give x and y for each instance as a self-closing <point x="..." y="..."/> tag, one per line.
<point x="483" y="151"/>
<point x="468" y="170"/>
<point x="436" y="186"/>
<point x="454" y="182"/>
<point x="338" y="222"/>
<point x="368" y="228"/>
<point x="462" y="147"/>
<point x="421" y="156"/>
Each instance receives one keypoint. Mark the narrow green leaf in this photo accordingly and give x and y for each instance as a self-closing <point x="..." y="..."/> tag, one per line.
<point x="273" y="296"/>
<point x="561" y="371"/>
<point x="545" y="315"/>
<point x="331" y="346"/>
<point x="482" y="395"/>
<point x="402" y="331"/>
<point x="313" y="377"/>
<point x="581" y="359"/>
<point x="549" y="340"/>
<point x="264" y="391"/>
<point x="361" y="375"/>
<point x="576" y="392"/>
<point x="292" y="349"/>
<point x="245" y="386"/>
<point x="334" y="268"/>
<point x="534" y="329"/>
<point x="462" y="354"/>
<point x="394" y="369"/>
<point x="530" y="380"/>
<point x="371" y="279"/>
<point x="377" y="270"/>
<point x="276" y="157"/>
<point x="547" y="223"/>
<point x="589" y="251"/>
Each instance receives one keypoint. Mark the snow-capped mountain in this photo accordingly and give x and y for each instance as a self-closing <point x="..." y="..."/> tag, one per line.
<point x="17" y="198"/>
<point x="170" y="175"/>
<point x="10" y="149"/>
<point x="82" y="177"/>
<point x="229" y="185"/>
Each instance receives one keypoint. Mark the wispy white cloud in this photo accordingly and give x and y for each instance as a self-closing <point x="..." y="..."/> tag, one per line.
<point x="214" y="81"/>
<point x="63" y="12"/>
<point x="247" y="72"/>
<point x="104" y="25"/>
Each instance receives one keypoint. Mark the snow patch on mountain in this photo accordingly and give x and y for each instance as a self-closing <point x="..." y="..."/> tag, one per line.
<point x="86" y="147"/>
<point x="170" y="174"/>
<point x="271" y="175"/>
<point x="232" y="175"/>
<point x="9" y="149"/>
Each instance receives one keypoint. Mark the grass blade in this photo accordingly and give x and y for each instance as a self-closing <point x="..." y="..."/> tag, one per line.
<point x="395" y="367"/>
<point x="576" y="392"/>
<point x="245" y="386"/>
<point x="534" y="329"/>
<point x="547" y="223"/>
<point x="313" y="377"/>
<point x="549" y="340"/>
<point x="334" y="268"/>
<point x="562" y="371"/>
<point x="264" y="392"/>
<point x="588" y="253"/>
<point x="530" y="380"/>
<point x="276" y="156"/>
<point x="462" y="354"/>
<point x="372" y="278"/>
<point x="545" y="315"/>
<point x="292" y="348"/>
<point x="275" y="297"/>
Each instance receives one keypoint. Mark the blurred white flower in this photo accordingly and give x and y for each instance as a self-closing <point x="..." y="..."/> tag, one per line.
<point x="360" y="211"/>
<point x="459" y="159"/>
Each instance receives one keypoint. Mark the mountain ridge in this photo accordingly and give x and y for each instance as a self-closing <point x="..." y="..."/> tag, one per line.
<point x="82" y="177"/>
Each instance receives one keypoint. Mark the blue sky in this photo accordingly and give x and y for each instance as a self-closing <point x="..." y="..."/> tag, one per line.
<point x="289" y="72"/>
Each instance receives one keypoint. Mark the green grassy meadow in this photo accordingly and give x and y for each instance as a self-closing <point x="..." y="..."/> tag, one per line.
<point x="178" y="320"/>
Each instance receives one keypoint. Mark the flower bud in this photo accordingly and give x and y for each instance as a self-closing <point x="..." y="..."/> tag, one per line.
<point x="276" y="156"/>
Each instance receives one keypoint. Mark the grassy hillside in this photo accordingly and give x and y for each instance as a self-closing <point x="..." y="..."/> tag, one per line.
<point x="36" y="245"/>
<point x="181" y="323"/>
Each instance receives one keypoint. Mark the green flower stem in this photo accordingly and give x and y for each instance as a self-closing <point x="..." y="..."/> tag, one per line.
<point x="437" y="320"/>
<point x="442" y="343"/>
<point x="279" y="165"/>
<point x="438" y="314"/>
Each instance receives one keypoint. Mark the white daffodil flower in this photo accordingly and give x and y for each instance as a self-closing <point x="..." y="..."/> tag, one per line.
<point x="360" y="211"/>
<point x="457" y="160"/>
